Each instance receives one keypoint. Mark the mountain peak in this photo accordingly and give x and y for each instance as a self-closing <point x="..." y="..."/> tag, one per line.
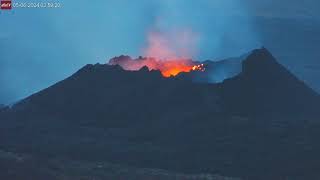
<point x="144" y="69"/>
<point x="262" y="55"/>
<point x="139" y="117"/>
<point x="266" y="87"/>
<point x="262" y="63"/>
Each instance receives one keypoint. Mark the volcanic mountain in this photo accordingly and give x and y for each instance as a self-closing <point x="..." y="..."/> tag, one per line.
<point x="260" y="124"/>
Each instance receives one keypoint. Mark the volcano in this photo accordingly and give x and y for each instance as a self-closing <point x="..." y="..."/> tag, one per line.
<point x="263" y="123"/>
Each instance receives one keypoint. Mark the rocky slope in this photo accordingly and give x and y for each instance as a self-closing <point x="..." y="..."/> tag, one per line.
<point x="260" y="124"/>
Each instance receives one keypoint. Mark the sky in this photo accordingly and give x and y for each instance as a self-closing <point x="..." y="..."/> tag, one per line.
<point x="42" y="46"/>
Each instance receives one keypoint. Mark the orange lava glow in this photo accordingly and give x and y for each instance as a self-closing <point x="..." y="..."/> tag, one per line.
<point x="172" y="54"/>
<point x="167" y="68"/>
<point x="174" y="67"/>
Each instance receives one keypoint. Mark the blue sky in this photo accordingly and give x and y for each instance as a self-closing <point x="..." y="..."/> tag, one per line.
<point x="42" y="46"/>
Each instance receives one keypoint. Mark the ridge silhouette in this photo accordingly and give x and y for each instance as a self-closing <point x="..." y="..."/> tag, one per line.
<point x="260" y="124"/>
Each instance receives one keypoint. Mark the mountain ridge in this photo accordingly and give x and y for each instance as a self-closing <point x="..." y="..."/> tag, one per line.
<point x="242" y="127"/>
<point x="269" y="77"/>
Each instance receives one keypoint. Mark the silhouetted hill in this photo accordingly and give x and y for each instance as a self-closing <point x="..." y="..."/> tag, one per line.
<point x="265" y="87"/>
<point x="102" y="93"/>
<point x="260" y="124"/>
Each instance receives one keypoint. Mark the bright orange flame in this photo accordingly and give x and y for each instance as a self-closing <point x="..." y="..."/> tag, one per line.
<point x="173" y="68"/>
<point x="167" y="68"/>
<point x="171" y="52"/>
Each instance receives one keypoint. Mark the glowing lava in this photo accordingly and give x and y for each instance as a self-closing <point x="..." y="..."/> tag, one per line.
<point x="167" y="68"/>
<point x="170" y="50"/>
<point x="174" y="67"/>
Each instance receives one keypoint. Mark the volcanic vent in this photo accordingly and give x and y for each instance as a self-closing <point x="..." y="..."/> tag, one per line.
<point x="168" y="67"/>
<point x="167" y="52"/>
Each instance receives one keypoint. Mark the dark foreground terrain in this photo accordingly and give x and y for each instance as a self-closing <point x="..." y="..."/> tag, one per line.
<point x="260" y="124"/>
<point x="26" y="167"/>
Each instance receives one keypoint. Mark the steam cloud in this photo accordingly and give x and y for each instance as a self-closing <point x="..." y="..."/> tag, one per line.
<point x="173" y="45"/>
<point x="204" y="29"/>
